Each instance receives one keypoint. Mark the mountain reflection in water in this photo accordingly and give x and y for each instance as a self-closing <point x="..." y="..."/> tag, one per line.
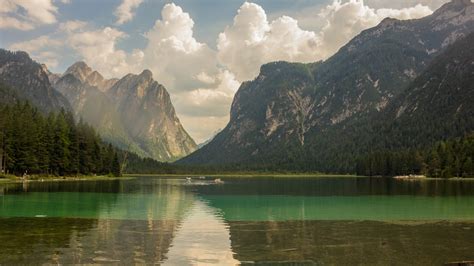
<point x="166" y="221"/>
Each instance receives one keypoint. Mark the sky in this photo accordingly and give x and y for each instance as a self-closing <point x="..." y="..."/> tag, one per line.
<point x="200" y="50"/>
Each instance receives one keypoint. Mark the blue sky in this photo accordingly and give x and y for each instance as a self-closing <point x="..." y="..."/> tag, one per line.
<point x="201" y="50"/>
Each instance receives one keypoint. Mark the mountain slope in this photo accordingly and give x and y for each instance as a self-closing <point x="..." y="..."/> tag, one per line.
<point x="436" y="106"/>
<point x="145" y="105"/>
<point x="27" y="80"/>
<point x="278" y="115"/>
<point x="133" y="113"/>
<point x="441" y="98"/>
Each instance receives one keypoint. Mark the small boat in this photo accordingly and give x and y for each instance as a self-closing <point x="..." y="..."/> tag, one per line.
<point x="218" y="181"/>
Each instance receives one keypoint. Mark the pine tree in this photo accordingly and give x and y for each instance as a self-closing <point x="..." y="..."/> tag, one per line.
<point x="116" y="171"/>
<point x="60" y="156"/>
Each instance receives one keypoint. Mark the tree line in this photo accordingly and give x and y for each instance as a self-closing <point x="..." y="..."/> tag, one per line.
<point x="452" y="158"/>
<point x="53" y="144"/>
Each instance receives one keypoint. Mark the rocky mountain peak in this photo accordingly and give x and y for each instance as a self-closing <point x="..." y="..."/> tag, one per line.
<point x="146" y="74"/>
<point x="29" y="81"/>
<point x="453" y="6"/>
<point x="388" y="21"/>
<point x="80" y="70"/>
<point x="53" y="77"/>
<point x="87" y="75"/>
<point x="95" y="79"/>
<point x="45" y="68"/>
<point x="134" y="113"/>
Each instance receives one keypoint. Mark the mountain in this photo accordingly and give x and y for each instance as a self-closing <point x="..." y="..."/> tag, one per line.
<point x="133" y="113"/>
<point x="439" y="99"/>
<point x="204" y="143"/>
<point x="435" y="107"/>
<point x="85" y="74"/>
<point x="146" y="107"/>
<point x="279" y="116"/>
<point x="25" y="79"/>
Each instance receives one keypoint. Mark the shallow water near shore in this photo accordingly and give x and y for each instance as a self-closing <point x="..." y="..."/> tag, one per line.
<point x="324" y="220"/>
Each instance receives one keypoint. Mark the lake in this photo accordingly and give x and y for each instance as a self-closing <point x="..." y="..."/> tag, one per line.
<point x="265" y="220"/>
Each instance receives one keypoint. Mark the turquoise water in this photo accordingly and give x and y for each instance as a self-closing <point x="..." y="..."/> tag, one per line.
<point x="327" y="220"/>
<point x="237" y="208"/>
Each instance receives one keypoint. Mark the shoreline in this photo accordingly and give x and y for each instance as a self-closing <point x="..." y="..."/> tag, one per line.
<point x="297" y="175"/>
<point x="249" y="175"/>
<point x="19" y="180"/>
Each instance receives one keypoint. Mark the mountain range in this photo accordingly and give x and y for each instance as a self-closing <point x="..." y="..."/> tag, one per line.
<point x="21" y="78"/>
<point x="315" y="116"/>
<point x="134" y="113"/>
<point x="402" y="84"/>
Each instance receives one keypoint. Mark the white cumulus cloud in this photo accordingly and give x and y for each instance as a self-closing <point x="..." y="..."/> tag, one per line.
<point x="214" y="100"/>
<point x="126" y="10"/>
<point x="98" y="48"/>
<point x="252" y="41"/>
<point x="175" y="57"/>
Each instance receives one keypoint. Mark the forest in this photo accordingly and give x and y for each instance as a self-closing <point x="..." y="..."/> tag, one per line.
<point x="453" y="158"/>
<point x="55" y="144"/>
<point x="33" y="143"/>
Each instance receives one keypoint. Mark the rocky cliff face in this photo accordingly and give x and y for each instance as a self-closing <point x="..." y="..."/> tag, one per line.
<point x="145" y="104"/>
<point x="133" y="113"/>
<point x="28" y="80"/>
<point x="288" y="104"/>
<point x="85" y="74"/>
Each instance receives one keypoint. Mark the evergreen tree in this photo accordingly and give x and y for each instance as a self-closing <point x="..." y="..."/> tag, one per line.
<point x="115" y="167"/>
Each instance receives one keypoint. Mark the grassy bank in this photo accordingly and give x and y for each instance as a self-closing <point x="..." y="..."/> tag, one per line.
<point x="35" y="178"/>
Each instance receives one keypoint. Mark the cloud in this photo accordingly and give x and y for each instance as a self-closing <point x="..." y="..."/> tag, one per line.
<point x="202" y="128"/>
<point x="26" y="14"/>
<point x="202" y="91"/>
<point x="125" y="11"/>
<point x="37" y="44"/>
<point x="13" y="23"/>
<point x="346" y="20"/>
<point x="214" y="100"/>
<point x="43" y="49"/>
<point x="72" y="25"/>
<point x="175" y="57"/>
<point x="95" y="46"/>
<point x="50" y="59"/>
<point x="98" y="48"/>
<point x="252" y="40"/>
